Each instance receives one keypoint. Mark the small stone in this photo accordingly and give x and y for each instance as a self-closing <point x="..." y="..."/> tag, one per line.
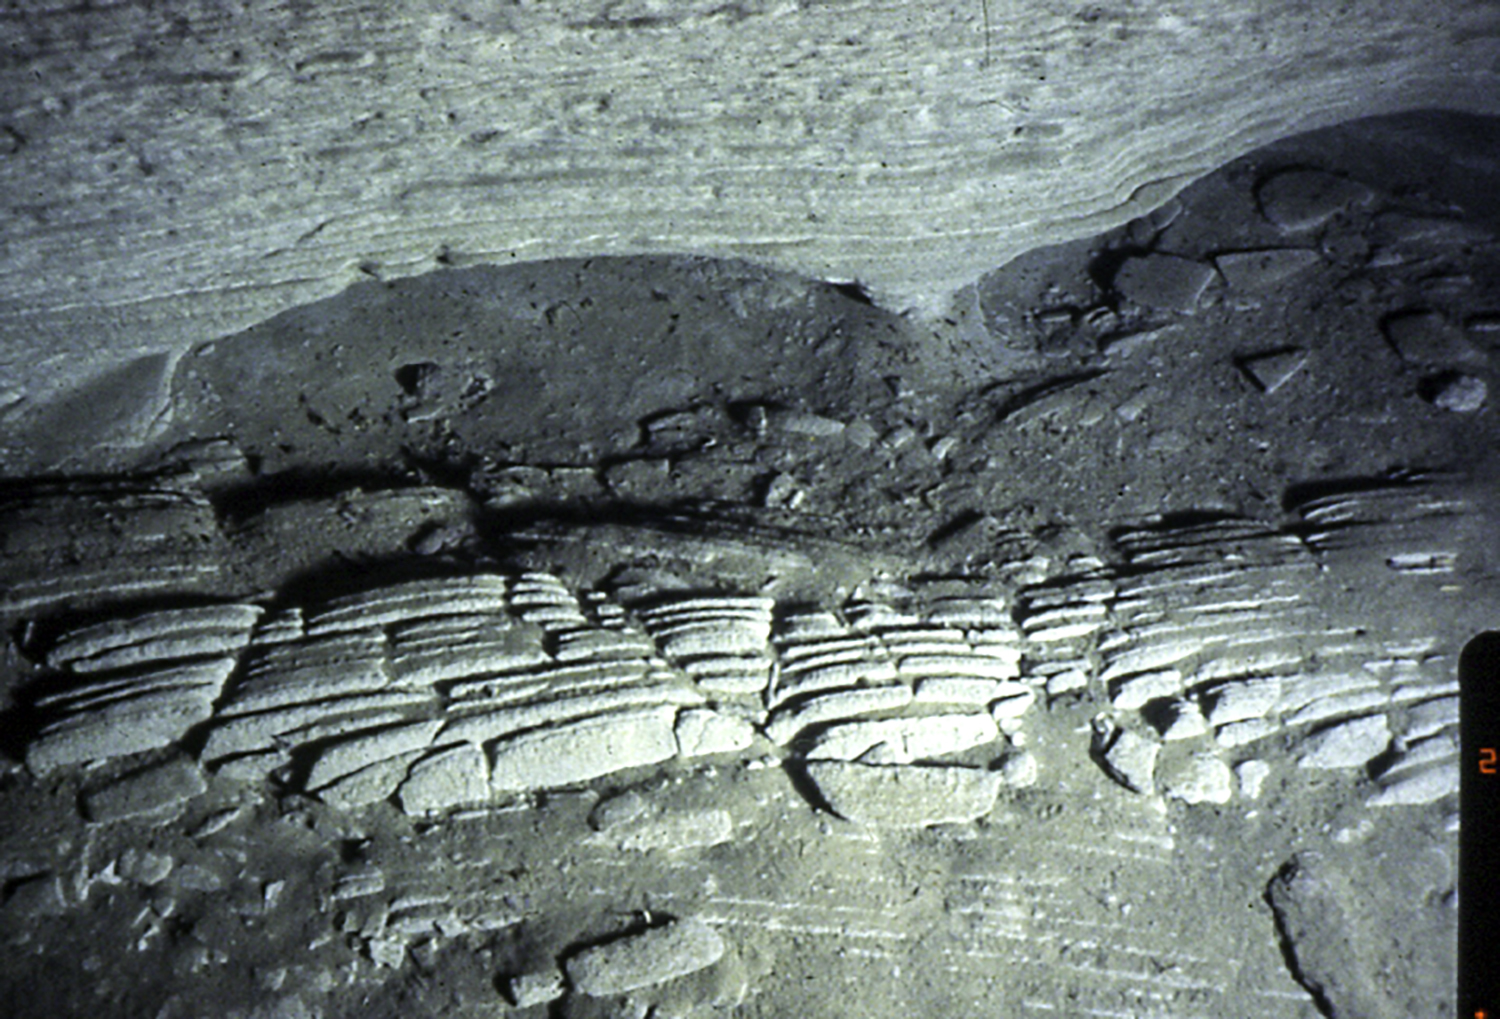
<point x="617" y="810"/>
<point x="814" y="425"/>
<point x="1263" y="269"/>
<point x="1242" y="699"/>
<point x="1303" y="199"/>
<point x="1426" y="337"/>
<point x="1272" y="370"/>
<point x="1237" y="734"/>
<point x="193" y="878"/>
<point x="639" y="960"/>
<point x="669" y="831"/>
<point x="40" y="896"/>
<point x="449" y="778"/>
<point x="1202" y="778"/>
<point x="1137" y="691"/>
<point x="1165" y="282"/>
<point x="1456" y="392"/>
<point x="905" y="796"/>
<point x="943" y="448"/>
<point x="143" y="866"/>
<point x="783" y="492"/>
<point x="898" y="438"/>
<point x="1067" y="682"/>
<point x="860" y="433"/>
<point x="1019" y="771"/>
<point x="1128" y="757"/>
<point x="1346" y="745"/>
<point x="701" y="731"/>
<point x="1426" y="786"/>
<point x="1181" y="720"/>
<point x="530" y="989"/>
<point x="387" y="953"/>
<point x="903" y="740"/>
<point x="582" y="750"/>
<point x="158" y="790"/>
<point x="1252" y="776"/>
<point x="1014" y="701"/>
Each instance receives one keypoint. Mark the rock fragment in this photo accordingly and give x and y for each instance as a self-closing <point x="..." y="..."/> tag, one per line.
<point x="129" y="715"/>
<point x="1425" y="337"/>
<point x="1200" y="778"/>
<point x="701" y="732"/>
<point x="144" y="866"/>
<point x="1241" y="699"/>
<point x="156" y="791"/>
<point x="1272" y="370"/>
<point x="786" y="723"/>
<point x="447" y="778"/>
<point x="1019" y="771"/>
<point x="653" y="956"/>
<point x="1165" y="282"/>
<point x="905" y="796"/>
<point x="1127" y="757"/>
<point x="584" y="749"/>
<point x="1455" y="392"/>
<point x="1181" y="720"/>
<point x="528" y="989"/>
<point x="668" y="830"/>
<point x="903" y="740"/>
<point x="1142" y="688"/>
<point x="173" y="634"/>
<point x="1347" y="744"/>
<point x="1252" y="775"/>
<point x="1263" y="269"/>
<point x="1303" y="199"/>
<point x="1425" y="786"/>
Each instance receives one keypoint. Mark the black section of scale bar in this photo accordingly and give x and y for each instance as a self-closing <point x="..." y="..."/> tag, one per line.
<point x="1479" y="829"/>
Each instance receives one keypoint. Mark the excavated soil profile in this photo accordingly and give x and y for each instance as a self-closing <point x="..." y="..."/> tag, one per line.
<point x="671" y="637"/>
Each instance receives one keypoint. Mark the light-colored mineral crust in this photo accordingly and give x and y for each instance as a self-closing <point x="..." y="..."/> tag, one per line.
<point x="269" y="159"/>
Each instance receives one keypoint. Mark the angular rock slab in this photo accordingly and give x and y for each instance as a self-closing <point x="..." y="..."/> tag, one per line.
<point x="583" y="750"/>
<point x="905" y="796"/>
<point x="640" y="960"/>
<point x="877" y="161"/>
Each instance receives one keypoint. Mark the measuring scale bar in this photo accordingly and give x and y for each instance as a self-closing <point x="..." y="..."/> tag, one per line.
<point x="1479" y="829"/>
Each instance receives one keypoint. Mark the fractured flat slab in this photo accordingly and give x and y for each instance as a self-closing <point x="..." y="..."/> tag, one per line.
<point x="651" y="957"/>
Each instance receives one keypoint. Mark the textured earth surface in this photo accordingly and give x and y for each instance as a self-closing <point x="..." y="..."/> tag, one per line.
<point x="633" y="637"/>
